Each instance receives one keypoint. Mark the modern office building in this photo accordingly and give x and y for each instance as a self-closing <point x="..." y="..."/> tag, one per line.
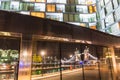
<point x="109" y="16"/>
<point x="79" y="12"/>
<point x="102" y="15"/>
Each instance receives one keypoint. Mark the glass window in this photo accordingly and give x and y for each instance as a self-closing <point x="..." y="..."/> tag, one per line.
<point x="109" y="7"/>
<point x="71" y="17"/>
<point x="102" y="3"/>
<point x="106" y="1"/>
<point x="76" y="18"/>
<point x="73" y="8"/>
<point x="5" y="5"/>
<point x="115" y="29"/>
<point x="27" y="6"/>
<point x="60" y="8"/>
<point x="86" y="1"/>
<point x="38" y="14"/>
<point x="115" y="3"/>
<point x="67" y="8"/>
<point x="56" y="1"/>
<point x="117" y="13"/>
<point x="39" y="7"/>
<point x="24" y="12"/>
<point x="14" y="5"/>
<point x="102" y="14"/>
<point x="87" y="17"/>
<point x="55" y="16"/>
<point x="40" y="0"/>
<point x="92" y="9"/>
<point x="70" y="1"/>
<point x="109" y="20"/>
<point x="82" y="9"/>
<point x="66" y="17"/>
<point x="92" y="26"/>
<point x="50" y="7"/>
<point x="0" y="5"/>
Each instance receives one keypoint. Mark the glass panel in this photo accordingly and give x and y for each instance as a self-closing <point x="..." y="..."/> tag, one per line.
<point x="60" y="8"/>
<point x="40" y="0"/>
<point x="38" y="14"/>
<point x="115" y="29"/>
<point x="9" y="58"/>
<point x="14" y="5"/>
<point x="56" y="1"/>
<point x="24" y="12"/>
<point x="76" y="16"/>
<point x="67" y="8"/>
<point x="66" y="17"/>
<point x="92" y="9"/>
<point x="73" y="8"/>
<point x="71" y="17"/>
<point x="0" y="5"/>
<point x="109" y="7"/>
<point x="106" y="1"/>
<point x="88" y="17"/>
<point x="50" y="8"/>
<point x="102" y="3"/>
<point x="39" y="7"/>
<point x="109" y="20"/>
<point x="82" y="9"/>
<point x="5" y="5"/>
<point x="115" y="3"/>
<point x="46" y="60"/>
<point x="55" y="16"/>
<point x="27" y="6"/>
<point x="117" y="13"/>
<point x="102" y="14"/>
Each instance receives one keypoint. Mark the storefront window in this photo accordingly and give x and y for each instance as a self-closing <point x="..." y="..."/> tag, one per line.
<point x="55" y="16"/>
<point x="39" y="7"/>
<point x="14" y="5"/>
<point x="50" y="7"/>
<point x="38" y="14"/>
<point x="60" y="8"/>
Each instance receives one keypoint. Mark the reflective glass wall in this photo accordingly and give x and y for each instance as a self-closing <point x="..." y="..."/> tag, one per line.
<point x="70" y="11"/>
<point x="109" y="16"/>
<point x="70" y="61"/>
<point x="9" y="58"/>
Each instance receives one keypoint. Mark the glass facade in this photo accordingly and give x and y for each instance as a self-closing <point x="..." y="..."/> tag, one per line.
<point x="69" y="11"/>
<point x="109" y="16"/>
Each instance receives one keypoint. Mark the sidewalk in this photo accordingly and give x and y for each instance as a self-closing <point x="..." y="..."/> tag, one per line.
<point x="34" y="77"/>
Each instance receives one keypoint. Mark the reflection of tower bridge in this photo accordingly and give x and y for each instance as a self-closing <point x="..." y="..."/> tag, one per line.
<point x="84" y="57"/>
